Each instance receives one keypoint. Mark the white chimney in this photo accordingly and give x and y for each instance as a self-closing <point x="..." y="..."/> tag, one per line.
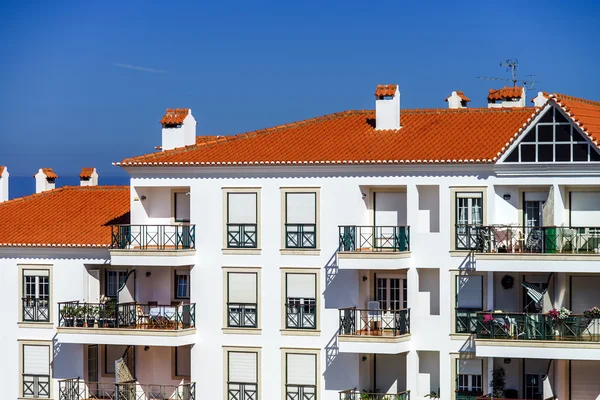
<point x="3" y="183"/>
<point x="540" y="99"/>
<point x="387" y="107"/>
<point x="45" y="180"/>
<point x="178" y="128"/>
<point x="507" y="97"/>
<point x="457" y="100"/>
<point x="88" y="177"/>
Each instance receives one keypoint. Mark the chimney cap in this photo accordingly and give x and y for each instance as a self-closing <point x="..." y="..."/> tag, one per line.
<point x="48" y="172"/>
<point x="460" y="94"/>
<point x="175" y="116"/>
<point x="86" y="173"/>
<point x="2" y="168"/>
<point x="386" y="90"/>
<point x="506" y="93"/>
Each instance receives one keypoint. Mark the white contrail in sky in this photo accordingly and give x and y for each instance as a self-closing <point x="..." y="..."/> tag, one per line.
<point x="138" y="68"/>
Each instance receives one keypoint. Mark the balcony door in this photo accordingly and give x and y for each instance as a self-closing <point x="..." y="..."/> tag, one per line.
<point x="391" y="294"/>
<point x="469" y="215"/>
<point x="389" y="213"/>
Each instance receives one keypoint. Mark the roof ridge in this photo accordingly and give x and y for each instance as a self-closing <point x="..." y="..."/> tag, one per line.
<point x="58" y="190"/>
<point x="229" y="138"/>
<point x="573" y="98"/>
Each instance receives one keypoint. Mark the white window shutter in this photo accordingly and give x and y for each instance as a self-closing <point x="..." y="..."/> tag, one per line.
<point x="36" y="272"/>
<point x="36" y="360"/>
<point x="242" y="287"/>
<point x="301" y="208"/>
<point x="242" y="367"/>
<point x="469" y="289"/>
<point x="241" y="208"/>
<point x="183" y="360"/>
<point x="470" y="367"/>
<point x="301" y="285"/>
<point x="182" y="206"/>
<point x="469" y="195"/>
<point x="301" y="369"/>
<point x="585" y="209"/>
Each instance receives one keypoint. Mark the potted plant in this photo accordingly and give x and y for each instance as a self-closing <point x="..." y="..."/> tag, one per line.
<point x="108" y="314"/>
<point x="558" y="316"/>
<point x="498" y="382"/>
<point x="433" y="395"/>
<point x="79" y="314"/>
<point x="90" y="315"/>
<point x="67" y="313"/>
<point x="592" y="313"/>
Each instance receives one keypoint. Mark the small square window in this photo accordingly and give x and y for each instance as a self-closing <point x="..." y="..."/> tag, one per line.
<point x="528" y="152"/>
<point x="563" y="152"/>
<point x="545" y="152"/>
<point x="580" y="151"/>
<point x="563" y="133"/>
<point x="545" y="133"/>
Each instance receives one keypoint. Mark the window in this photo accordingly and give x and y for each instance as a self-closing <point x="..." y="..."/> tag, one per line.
<point x="182" y="284"/>
<point x="300" y="220"/>
<point x="36" y="371"/>
<point x="300" y="376"/>
<point x="301" y="301"/>
<point x="36" y="295"/>
<point x="182" y="360"/>
<point x="114" y="281"/>
<point x="469" y="300"/>
<point x="242" y="375"/>
<point x="111" y="354"/>
<point x="92" y="363"/>
<point x="242" y="304"/>
<point x="469" y="378"/>
<point x="391" y="293"/>
<point x="469" y="218"/>
<point x="182" y="207"/>
<point x="242" y="220"/>
<point x="554" y="139"/>
<point x="533" y="386"/>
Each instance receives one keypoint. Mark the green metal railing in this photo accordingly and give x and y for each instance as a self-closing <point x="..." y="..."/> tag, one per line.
<point x="153" y="237"/>
<point x="466" y="320"/>
<point x="77" y="389"/>
<point x="354" y="321"/>
<point x="353" y="394"/>
<point x="300" y="236"/>
<point x="527" y="239"/>
<point x="374" y="238"/>
<point x="519" y="326"/>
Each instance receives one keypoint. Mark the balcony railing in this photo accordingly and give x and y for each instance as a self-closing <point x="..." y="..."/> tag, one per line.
<point x="353" y="394"/>
<point x="300" y="392"/>
<point x="301" y="236"/>
<point x="242" y="315"/>
<point x="36" y="309"/>
<point x="126" y="316"/>
<point x="466" y="320"/>
<point x="242" y="391"/>
<point x="76" y="389"/>
<point x="154" y="237"/>
<point x="354" y="321"/>
<point x="374" y="238"/>
<point x="301" y="315"/>
<point x="241" y="236"/>
<point x="523" y="239"/>
<point x="520" y="326"/>
<point x="466" y="395"/>
<point x="36" y="386"/>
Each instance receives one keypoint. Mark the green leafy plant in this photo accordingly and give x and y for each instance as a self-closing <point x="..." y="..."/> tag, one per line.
<point x="433" y="395"/>
<point x="498" y="382"/>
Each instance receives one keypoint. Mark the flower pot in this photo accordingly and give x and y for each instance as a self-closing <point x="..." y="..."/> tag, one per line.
<point x="90" y="322"/>
<point x="68" y="322"/>
<point x="79" y="322"/>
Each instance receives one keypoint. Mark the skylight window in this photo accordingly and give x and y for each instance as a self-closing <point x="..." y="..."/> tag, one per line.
<point x="554" y="139"/>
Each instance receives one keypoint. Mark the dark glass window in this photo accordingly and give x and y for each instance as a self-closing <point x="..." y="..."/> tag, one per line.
<point x="545" y="152"/>
<point x="580" y="151"/>
<point x="545" y="133"/>
<point x="563" y="152"/>
<point x="563" y="133"/>
<point x="514" y="156"/>
<point x="528" y="152"/>
<point x="547" y="117"/>
<point x="559" y="117"/>
<point x="530" y="137"/>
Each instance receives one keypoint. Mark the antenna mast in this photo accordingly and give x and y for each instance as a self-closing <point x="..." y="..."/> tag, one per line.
<point x="511" y="65"/>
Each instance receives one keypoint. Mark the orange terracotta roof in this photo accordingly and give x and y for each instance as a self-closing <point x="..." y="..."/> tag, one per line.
<point x="585" y="113"/>
<point x="86" y="173"/>
<point x="71" y="216"/>
<point x="1" y="169"/>
<point x="505" y="93"/>
<point x="175" y="116"/>
<point x="49" y="173"/>
<point x="427" y="136"/>
<point x="461" y="95"/>
<point x="385" y="90"/>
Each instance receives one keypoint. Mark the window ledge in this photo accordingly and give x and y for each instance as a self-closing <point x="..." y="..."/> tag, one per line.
<point x="300" y="252"/>
<point x="242" y="331"/>
<point x="242" y="251"/>
<point x="300" y="332"/>
<point x="46" y="325"/>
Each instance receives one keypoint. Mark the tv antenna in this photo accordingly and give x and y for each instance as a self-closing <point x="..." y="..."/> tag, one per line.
<point x="511" y="65"/>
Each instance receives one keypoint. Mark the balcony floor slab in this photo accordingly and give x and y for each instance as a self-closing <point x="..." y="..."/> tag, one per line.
<point x="374" y="260"/>
<point x="544" y="349"/>
<point x="119" y="336"/>
<point x="374" y="344"/>
<point x="152" y="258"/>
<point x="537" y="262"/>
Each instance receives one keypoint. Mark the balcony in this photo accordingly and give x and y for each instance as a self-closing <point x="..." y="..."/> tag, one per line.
<point x="76" y="389"/>
<point x="385" y="247"/>
<point x="242" y="236"/>
<point x="242" y="315"/>
<point x="575" y="337"/>
<point x="301" y="314"/>
<point x="300" y="236"/>
<point x="125" y="323"/>
<point x="303" y="392"/>
<point x="544" y="248"/>
<point x="374" y="330"/>
<point x="242" y="391"/>
<point x="353" y="394"/>
<point x="151" y="244"/>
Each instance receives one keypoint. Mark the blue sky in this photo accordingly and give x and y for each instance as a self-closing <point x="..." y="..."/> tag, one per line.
<point x="85" y="83"/>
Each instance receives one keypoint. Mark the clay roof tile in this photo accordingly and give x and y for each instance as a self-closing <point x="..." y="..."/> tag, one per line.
<point x="174" y="116"/>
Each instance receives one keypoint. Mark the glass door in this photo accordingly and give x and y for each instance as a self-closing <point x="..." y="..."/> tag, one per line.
<point x="533" y="222"/>
<point x="469" y="217"/>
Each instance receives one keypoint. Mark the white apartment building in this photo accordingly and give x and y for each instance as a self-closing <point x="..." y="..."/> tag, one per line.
<point x="380" y="255"/>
